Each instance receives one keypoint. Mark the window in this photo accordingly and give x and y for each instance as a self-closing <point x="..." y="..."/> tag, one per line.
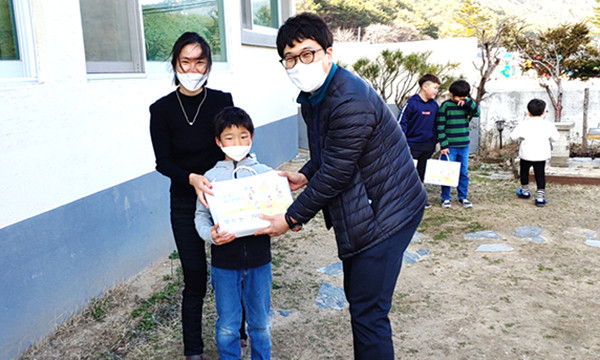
<point x="112" y="36"/>
<point x="17" y="59"/>
<point x="262" y="18"/>
<point x="165" y="21"/>
<point x="264" y="13"/>
<point x="9" y="46"/>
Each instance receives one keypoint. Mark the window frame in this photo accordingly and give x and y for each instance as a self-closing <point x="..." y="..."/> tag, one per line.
<point x="134" y="68"/>
<point x="261" y="35"/>
<point x="25" y="68"/>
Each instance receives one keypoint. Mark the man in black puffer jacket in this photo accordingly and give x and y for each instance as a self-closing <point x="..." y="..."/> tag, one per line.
<point x="360" y="173"/>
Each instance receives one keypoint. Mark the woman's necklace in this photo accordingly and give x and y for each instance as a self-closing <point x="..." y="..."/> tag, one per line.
<point x="197" y="111"/>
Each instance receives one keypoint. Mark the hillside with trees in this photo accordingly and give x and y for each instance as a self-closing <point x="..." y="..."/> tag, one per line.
<point x="404" y="20"/>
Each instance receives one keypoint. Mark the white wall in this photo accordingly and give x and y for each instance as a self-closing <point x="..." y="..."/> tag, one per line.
<point x="459" y="50"/>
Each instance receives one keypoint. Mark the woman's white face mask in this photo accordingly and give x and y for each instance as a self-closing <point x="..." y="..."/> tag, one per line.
<point x="192" y="81"/>
<point x="308" y="77"/>
<point x="237" y="153"/>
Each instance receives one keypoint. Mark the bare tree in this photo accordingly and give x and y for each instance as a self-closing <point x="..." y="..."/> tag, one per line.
<point x="490" y="34"/>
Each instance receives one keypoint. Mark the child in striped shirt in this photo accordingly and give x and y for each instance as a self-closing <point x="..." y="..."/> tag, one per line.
<point x="452" y="124"/>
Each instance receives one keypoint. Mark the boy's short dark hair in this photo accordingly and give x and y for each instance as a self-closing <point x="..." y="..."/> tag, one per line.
<point x="232" y="116"/>
<point x="460" y="88"/>
<point x="429" y="78"/>
<point x="536" y="107"/>
<point x="301" y="27"/>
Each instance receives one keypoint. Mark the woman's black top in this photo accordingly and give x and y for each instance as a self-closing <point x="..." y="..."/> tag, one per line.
<point x="181" y="148"/>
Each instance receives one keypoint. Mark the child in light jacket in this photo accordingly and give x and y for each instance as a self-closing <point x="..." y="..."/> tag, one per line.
<point x="535" y="134"/>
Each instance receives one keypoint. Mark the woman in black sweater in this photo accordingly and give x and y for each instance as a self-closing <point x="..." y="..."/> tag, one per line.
<point x="184" y="146"/>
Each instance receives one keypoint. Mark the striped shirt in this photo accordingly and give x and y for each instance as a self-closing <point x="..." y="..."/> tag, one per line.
<point x="452" y="123"/>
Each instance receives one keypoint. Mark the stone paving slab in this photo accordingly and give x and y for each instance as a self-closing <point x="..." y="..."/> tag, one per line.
<point x="333" y="269"/>
<point x="595" y="243"/>
<point x="528" y="231"/>
<point x="331" y="297"/>
<point x="494" y="248"/>
<point x="479" y="235"/>
<point x="411" y="258"/>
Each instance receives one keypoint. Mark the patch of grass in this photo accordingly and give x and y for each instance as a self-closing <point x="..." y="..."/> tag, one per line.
<point x="543" y="268"/>
<point x="433" y="221"/>
<point x="276" y="261"/>
<point x="473" y="226"/>
<point x="493" y="261"/>
<point x="509" y="325"/>
<point x="98" y="309"/>
<point x="440" y="236"/>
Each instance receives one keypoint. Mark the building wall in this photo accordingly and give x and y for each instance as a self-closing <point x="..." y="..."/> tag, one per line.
<point x="81" y="206"/>
<point x="507" y="100"/>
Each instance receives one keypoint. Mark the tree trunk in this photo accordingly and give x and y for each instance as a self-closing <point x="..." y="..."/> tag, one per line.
<point x="559" y="107"/>
<point x="586" y="104"/>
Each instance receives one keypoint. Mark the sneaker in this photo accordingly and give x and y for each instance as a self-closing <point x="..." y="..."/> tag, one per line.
<point x="446" y="204"/>
<point x="465" y="203"/>
<point x="427" y="205"/>
<point x="523" y="194"/>
<point x="540" y="202"/>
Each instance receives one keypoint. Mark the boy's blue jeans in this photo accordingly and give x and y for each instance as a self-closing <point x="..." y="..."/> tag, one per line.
<point x="250" y="288"/>
<point x="460" y="154"/>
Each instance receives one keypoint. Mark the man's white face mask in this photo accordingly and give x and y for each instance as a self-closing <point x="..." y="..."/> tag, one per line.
<point x="308" y="77"/>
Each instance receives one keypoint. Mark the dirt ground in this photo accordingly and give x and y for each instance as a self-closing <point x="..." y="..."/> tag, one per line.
<point x="538" y="301"/>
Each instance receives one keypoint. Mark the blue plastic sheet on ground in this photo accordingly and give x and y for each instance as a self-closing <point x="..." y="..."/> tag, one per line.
<point x="528" y="231"/>
<point x="486" y="234"/>
<point x="591" y="235"/>
<point x="333" y="269"/>
<point x="595" y="243"/>
<point x="331" y="297"/>
<point x="494" y="248"/>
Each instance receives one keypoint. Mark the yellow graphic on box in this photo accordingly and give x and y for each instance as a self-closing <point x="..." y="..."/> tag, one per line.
<point x="269" y="200"/>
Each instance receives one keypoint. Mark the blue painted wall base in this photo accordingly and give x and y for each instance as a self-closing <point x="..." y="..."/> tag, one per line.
<point x="55" y="262"/>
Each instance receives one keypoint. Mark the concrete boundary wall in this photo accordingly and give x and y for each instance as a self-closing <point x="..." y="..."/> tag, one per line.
<point x="507" y="100"/>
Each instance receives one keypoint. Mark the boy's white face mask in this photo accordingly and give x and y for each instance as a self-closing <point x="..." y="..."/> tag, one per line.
<point x="192" y="81"/>
<point x="237" y="153"/>
<point x="308" y="77"/>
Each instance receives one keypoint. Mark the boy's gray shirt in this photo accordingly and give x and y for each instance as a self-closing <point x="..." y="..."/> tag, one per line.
<point x="223" y="170"/>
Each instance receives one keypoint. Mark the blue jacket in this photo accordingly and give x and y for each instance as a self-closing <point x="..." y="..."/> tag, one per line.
<point x="361" y="173"/>
<point x="417" y="120"/>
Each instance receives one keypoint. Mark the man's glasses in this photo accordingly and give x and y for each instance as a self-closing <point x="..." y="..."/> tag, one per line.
<point x="306" y="57"/>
